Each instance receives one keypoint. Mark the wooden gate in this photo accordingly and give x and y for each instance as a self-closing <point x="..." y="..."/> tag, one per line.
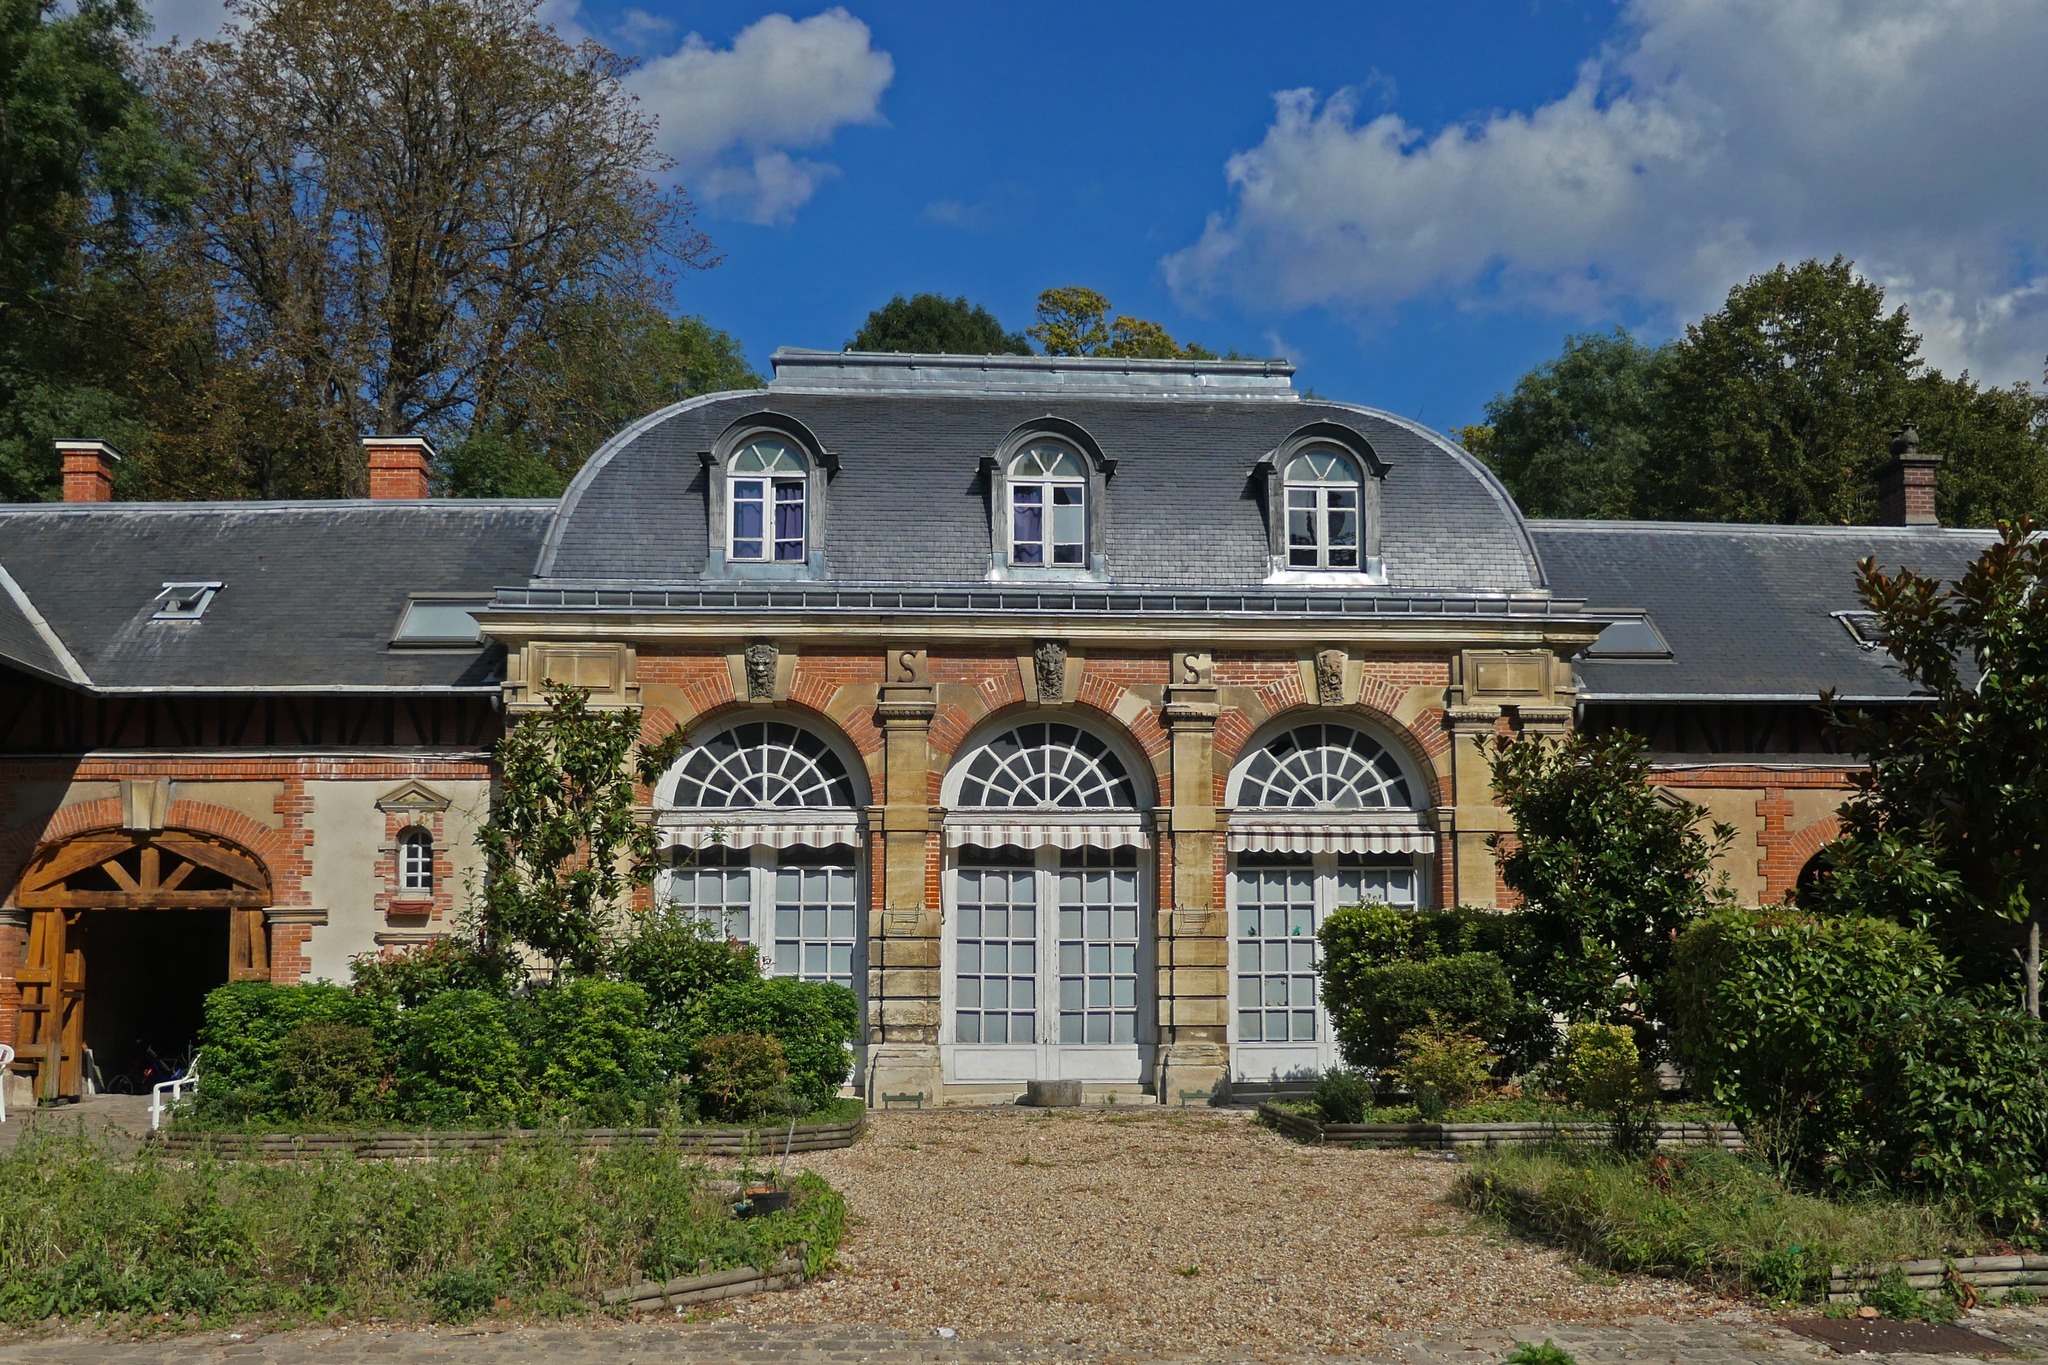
<point x="170" y="870"/>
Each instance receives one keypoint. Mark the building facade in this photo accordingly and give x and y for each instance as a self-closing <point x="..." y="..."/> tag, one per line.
<point x="1048" y="704"/>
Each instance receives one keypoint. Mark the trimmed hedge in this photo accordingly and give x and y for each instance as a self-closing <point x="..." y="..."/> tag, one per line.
<point x="246" y="1027"/>
<point x="1386" y="972"/>
<point x="817" y="1022"/>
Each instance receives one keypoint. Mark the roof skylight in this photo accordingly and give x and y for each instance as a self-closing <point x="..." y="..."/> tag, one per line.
<point x="442" y="621"/>
<point x="1866" y="628"/>
<point x="184" y="601"/>
<point x="1630" y="638"/>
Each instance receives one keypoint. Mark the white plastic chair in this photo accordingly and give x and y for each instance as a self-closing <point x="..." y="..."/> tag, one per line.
<point x="6" y="1061"/>
<point x="164" y="1094"/>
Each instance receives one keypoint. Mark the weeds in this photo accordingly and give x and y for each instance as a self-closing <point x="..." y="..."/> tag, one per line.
<point x="538" y="1225"/>
<point x="1549" y="1353"/>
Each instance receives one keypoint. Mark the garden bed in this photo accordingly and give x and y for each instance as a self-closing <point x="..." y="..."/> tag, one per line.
<point x="538" y="1229"/>
<point x="832" y="1130"/>
<point x="1451" y="1135"/>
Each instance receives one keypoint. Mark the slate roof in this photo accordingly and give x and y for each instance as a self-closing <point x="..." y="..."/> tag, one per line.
<point x="910" y="503"/>
<point x="1745" y="609"/>
<point x="312" y="591"/>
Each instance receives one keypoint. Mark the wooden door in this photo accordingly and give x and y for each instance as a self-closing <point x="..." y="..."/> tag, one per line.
<point x="52" y="981"/>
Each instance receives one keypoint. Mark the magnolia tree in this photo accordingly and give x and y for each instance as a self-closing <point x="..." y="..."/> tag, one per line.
<point x="1949" y="825"/>
<point x="565" y="845"/>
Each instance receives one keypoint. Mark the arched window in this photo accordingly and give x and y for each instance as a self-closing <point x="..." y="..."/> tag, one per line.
<point x="1323" y="510"/>
<point x="416" y="861"/>
<point x="1048" y="492"/>
<point x="762" y="764"/>
<point x="1323" y="767"/>
<point x="767" y="481"/>
<point x="1047" y="765"/>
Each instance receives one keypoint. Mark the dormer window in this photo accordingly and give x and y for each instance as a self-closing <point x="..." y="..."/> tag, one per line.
<point x="1048" y="507"/>
<point x="1323" y="510"/>
<point x="768" y="482"/>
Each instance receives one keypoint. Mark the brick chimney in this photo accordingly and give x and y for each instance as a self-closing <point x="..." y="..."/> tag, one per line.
<point x="1905" y="486"/>
<point x="398" y="466"/>
<point x="88" y="470"/>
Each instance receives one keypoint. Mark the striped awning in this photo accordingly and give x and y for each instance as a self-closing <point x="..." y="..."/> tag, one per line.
<point x="756" y="832"/>
<point x="1127" y="833"/>
<point x="1307" y="834"/>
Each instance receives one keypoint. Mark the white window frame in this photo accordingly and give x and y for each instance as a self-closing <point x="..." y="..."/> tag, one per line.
<point x="413" y="842"/>
<point x="770" y="484"/>
<point x="1317" y="495"/>
<point x="1046" y="1057"/>
<point x="1294" y="1059"/>
<point x="1047" y="486"/>
<point x="762" y="866"/>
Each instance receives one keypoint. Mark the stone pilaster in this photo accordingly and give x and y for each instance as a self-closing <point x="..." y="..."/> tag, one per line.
<point x="1193" y="935"/>
<point x="1474" y="816"/>
<point x="903" y="925"/>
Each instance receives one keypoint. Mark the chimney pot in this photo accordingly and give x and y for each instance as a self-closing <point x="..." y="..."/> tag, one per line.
<point x="399" y="466"/>
<point x="1905" y="486"/>
<point x="88" y="470"/>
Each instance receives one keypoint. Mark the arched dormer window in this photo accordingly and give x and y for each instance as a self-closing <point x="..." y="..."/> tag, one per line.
<point x="767" y="487"/>
<point x="1048" y="483"/>
<point x="1048" y="507"/>
<point x="767" y="479"/>
<point x="1324" y="497"/>
<point x="1322" y="492"/>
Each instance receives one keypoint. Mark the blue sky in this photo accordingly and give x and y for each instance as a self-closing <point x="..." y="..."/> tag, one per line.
<point x="1415" y="203"/>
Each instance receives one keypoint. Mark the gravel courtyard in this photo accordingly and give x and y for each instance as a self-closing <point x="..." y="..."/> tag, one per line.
<point x="1173" y="1231"/>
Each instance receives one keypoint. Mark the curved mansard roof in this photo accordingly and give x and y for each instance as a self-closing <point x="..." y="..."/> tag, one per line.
<point x="909" y="502"/>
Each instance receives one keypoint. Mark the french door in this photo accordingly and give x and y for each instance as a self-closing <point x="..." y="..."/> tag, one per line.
<point x="799" y="906"/>
<point x="1048" y="976"/>
<point x="1279" y="1028"/>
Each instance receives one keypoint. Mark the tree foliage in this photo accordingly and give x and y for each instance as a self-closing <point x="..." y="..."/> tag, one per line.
<point x="933" y="324"/>
<point x="83" y="164"/>
<point x="1608" y="869"/>
<point x="563" y="845"/>
<point x="1950" y="819"/>
<point x="1077" y="321"/>
<point x="1778" y="407"/>
<point x="404" y="206"/>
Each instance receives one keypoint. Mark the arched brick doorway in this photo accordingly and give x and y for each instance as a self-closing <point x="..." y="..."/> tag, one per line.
<point x="104" y="897"/>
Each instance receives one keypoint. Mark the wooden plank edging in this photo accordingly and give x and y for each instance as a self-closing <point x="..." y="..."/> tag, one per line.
<point x="685" y="1290"/>
<point x="1930" y="1275"/>
<point x="764" y="1142"/>
<point x="1451" y="1135"/>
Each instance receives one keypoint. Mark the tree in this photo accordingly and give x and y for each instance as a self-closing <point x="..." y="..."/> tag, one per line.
<point x="563" y="844"/>
<point x="1076" y="321"/>
<point x="1575" y="435"/>
<point x="402" y="202"/>
<point x="1950" y="819"/>
<point x="1608" y="869"/>
<point x="933" y="324"/>
<point x="82" y="163"/>
<point x="606" y="367"/>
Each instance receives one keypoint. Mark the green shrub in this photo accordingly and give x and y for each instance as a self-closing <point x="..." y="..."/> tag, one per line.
<point x="676" y="955"/>
<point x="410" y="977"/>
<point x="1773" y="1012"/>
<point x="85" y="1232"/>
<point x="330" y="1071"/>
<point x="1344" y="1095"/>
<point x="741" y="1077"/>
<point x="1703" y="1215"/>
<point x="1549" y="1353"/>
<point x="589" y="1053"/>
<point x="1446" y="1064"/>
<point x="245" y="1027"/>
<point x="1598" y="1067"/>
<point x="1956" y="1106"/>
<point x="459" y="1061"/>
<point x="817" y="1024"/>
<point x="1468" y="992"/>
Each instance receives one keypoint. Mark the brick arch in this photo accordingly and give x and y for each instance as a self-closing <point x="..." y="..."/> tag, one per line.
<point x="1422" y="756"/>
<point x="1154" y="762"/>
<point x="1783" y="864"/>
<point x="657" y="722"/>
<point x="267" y="846"/>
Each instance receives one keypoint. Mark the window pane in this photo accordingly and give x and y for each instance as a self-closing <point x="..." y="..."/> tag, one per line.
<point x="748" y="497"/>
<point x="1069" y="524"/>
<point x="789" y="520"/>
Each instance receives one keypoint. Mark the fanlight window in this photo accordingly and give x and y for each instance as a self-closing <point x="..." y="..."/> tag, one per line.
<point x="1322" y="490"/>
<point x="1324" y="767"/>
<point x="1048" y="507"/>
<point x="763" y="764"/>
<point x="768" y="480"/>
<point x="1047" y="766"/>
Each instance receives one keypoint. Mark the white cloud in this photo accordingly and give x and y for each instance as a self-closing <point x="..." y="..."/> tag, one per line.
<point x="1714" y="139"/>
<point x="729" y="116"/>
